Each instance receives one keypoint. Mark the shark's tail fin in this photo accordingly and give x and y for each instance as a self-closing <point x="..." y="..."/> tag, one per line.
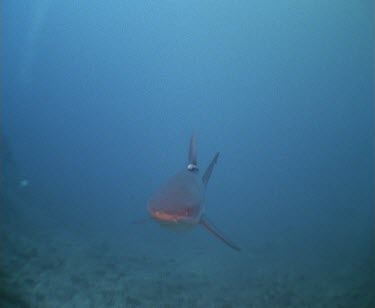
<point x="211" y="227"/>
<point x="208" y="172"/>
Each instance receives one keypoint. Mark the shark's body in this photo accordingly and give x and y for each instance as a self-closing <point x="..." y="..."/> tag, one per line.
<point x="179" y="204"/>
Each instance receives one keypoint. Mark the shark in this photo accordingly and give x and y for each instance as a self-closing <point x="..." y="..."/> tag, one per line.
<point x="180" y="202"/>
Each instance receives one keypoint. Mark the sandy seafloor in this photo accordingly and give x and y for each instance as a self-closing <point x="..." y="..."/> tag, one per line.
<point x="54" y="265"/>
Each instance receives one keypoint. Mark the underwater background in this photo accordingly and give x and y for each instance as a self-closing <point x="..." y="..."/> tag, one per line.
<point x="98" y="102"/>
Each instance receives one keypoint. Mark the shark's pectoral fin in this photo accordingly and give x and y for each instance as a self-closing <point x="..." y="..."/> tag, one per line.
<point x="208" y="172"/>
<point x="211" y="227"/>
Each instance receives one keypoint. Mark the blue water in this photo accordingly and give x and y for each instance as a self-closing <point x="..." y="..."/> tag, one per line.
<point x="99" y="100"/>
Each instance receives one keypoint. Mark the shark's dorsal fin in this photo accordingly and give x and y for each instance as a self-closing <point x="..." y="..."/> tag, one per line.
<point x="211" y="227"/>
<point x="192" y="159"/>
<point x="209" y="169"/>
<point x="193" y="151"/>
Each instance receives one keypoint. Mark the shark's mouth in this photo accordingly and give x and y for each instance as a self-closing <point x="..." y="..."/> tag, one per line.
<point x="183" y="215"/>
